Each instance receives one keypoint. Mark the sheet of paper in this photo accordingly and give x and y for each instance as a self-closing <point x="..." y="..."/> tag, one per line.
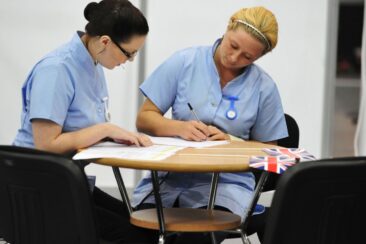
<point x="115" y="150"/>
<point x="173" y="141"/>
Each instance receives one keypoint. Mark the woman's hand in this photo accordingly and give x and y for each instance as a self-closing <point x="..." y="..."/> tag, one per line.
<point x="193" y="130"/>
<point x="120" y="135"/>
<point x="216" y="134"/>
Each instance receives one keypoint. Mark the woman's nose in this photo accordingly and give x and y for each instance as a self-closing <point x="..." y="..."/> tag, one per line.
<point x="234" y="57"/>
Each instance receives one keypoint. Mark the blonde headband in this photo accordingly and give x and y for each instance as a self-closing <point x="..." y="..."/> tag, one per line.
<point x="256" y="30"/>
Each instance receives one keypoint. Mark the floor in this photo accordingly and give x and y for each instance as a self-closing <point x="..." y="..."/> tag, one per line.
<point x="345" y="120"/>
<point x="344" y="133"/>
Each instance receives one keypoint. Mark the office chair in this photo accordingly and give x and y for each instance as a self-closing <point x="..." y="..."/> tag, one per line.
<point x="45" y="199"/>
<point x="320" y="202"/>
<point x="292" y="141"/>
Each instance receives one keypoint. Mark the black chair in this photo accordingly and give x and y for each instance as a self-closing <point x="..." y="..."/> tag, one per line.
<point x="45" y="199"/>
<point x="320" y="202"/>
<point x="292" y="140"/>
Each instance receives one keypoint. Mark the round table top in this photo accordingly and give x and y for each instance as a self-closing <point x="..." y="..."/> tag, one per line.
<point x="231" y="157"/>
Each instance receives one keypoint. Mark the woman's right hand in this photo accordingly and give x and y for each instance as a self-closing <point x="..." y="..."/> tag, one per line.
<point x="123" y="136"/>
<point x="193" y="130"/>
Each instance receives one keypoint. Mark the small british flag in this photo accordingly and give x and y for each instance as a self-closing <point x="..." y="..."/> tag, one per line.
<point x="299" y="153"/>
<point x="275" y="164"/>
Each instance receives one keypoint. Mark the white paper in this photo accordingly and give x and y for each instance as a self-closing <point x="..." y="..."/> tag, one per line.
<point x="173" y="141"/>
<point x="115" y="150"/>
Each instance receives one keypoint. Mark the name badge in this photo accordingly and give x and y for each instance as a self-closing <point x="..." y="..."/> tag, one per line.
<point x="231" y="113"/>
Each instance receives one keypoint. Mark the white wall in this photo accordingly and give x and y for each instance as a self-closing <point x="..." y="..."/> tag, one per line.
<point x="297" y="64"/>
<point x="360" y="137"/>
<point x="30" y="29"/>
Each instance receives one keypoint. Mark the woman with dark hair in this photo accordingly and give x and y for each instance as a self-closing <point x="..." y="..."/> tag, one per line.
<point x="65" y="100"/>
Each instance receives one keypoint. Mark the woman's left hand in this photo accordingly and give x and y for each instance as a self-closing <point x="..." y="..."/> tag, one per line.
<point x="216" y="134"/>
<point x="142" y="139"/>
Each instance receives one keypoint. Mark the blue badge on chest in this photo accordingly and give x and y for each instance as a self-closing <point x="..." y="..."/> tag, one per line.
<point x="231" y="113"/>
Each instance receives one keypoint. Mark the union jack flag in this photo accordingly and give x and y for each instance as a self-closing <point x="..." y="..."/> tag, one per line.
<point x="275" y="164"/>
<point x="299" y="153"/>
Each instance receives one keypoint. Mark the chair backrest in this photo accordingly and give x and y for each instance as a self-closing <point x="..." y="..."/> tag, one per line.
<point x="45" y="199"/>
<point x="319" y="202"/>
<point x="293" y="133"/>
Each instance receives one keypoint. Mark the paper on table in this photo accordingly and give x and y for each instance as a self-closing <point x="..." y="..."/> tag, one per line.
<point x="173" y="141"/>
<point x="115" y="150"/>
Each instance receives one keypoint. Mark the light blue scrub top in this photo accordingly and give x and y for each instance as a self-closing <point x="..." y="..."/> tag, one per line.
<point x="191" y="76"/>
<point x="65" y="87"/>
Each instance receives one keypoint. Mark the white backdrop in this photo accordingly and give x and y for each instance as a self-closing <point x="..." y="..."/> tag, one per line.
<point x="30" y="29"/>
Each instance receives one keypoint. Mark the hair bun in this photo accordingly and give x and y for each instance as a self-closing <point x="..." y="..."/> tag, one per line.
<point x="89" y="10"/>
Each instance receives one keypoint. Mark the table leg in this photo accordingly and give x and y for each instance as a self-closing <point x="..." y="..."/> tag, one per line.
<point x="251" y="207"/>
<point x="257" y="193"/>
<point x="159" y="205"/>
<point x="211" y="200"/>
<point x="213" y="190"/>
<point x="243" y="236"/>
<point x="122" y="189"/>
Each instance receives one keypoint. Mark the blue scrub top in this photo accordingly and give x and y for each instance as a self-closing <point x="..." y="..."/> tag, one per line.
<point x="191" y="76"/>
<point x="65" y="87"/>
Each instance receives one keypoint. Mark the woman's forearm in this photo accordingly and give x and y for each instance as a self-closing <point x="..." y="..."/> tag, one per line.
<point x="69" y="141"/>
<point x="153" y="123"/>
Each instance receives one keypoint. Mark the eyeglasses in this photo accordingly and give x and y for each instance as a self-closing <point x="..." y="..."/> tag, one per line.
<point x="129" y="55"/>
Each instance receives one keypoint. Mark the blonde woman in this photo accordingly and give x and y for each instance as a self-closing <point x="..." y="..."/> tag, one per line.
<point x="230" y="95"/>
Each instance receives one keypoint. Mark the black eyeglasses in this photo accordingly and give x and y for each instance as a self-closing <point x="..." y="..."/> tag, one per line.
<point x="129" y="55"/>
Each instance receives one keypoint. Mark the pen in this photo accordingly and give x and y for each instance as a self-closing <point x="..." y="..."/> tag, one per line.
<point x="193" y="112"/>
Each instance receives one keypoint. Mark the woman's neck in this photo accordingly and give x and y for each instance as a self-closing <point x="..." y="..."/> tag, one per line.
<point x="88" y="43"/>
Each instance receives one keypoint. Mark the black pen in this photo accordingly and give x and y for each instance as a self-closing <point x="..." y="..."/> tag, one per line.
<point x="193" y="112"/>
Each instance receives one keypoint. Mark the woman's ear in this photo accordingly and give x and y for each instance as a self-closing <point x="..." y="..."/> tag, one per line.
<point x="105" y="40"/>
<point x="102" y="43"/>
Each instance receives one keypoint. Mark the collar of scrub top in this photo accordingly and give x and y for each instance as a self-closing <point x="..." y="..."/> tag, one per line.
<point x="215" y="46"/>
<point x="231" y="113"/>
<point x="107" y="114"/>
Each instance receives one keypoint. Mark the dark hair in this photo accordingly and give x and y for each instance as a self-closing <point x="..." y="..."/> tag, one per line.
<point x="119" y="19"/>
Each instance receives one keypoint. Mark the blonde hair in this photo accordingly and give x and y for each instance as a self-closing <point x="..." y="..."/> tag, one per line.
<point x="259" y="22"/>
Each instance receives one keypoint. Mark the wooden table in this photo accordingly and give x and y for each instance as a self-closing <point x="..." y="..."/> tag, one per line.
<point x="232" y="157"/>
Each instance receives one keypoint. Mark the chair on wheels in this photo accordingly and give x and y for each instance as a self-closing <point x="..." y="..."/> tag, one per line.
<point x="319" y="202"/>
<point x="45" y="198"/>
